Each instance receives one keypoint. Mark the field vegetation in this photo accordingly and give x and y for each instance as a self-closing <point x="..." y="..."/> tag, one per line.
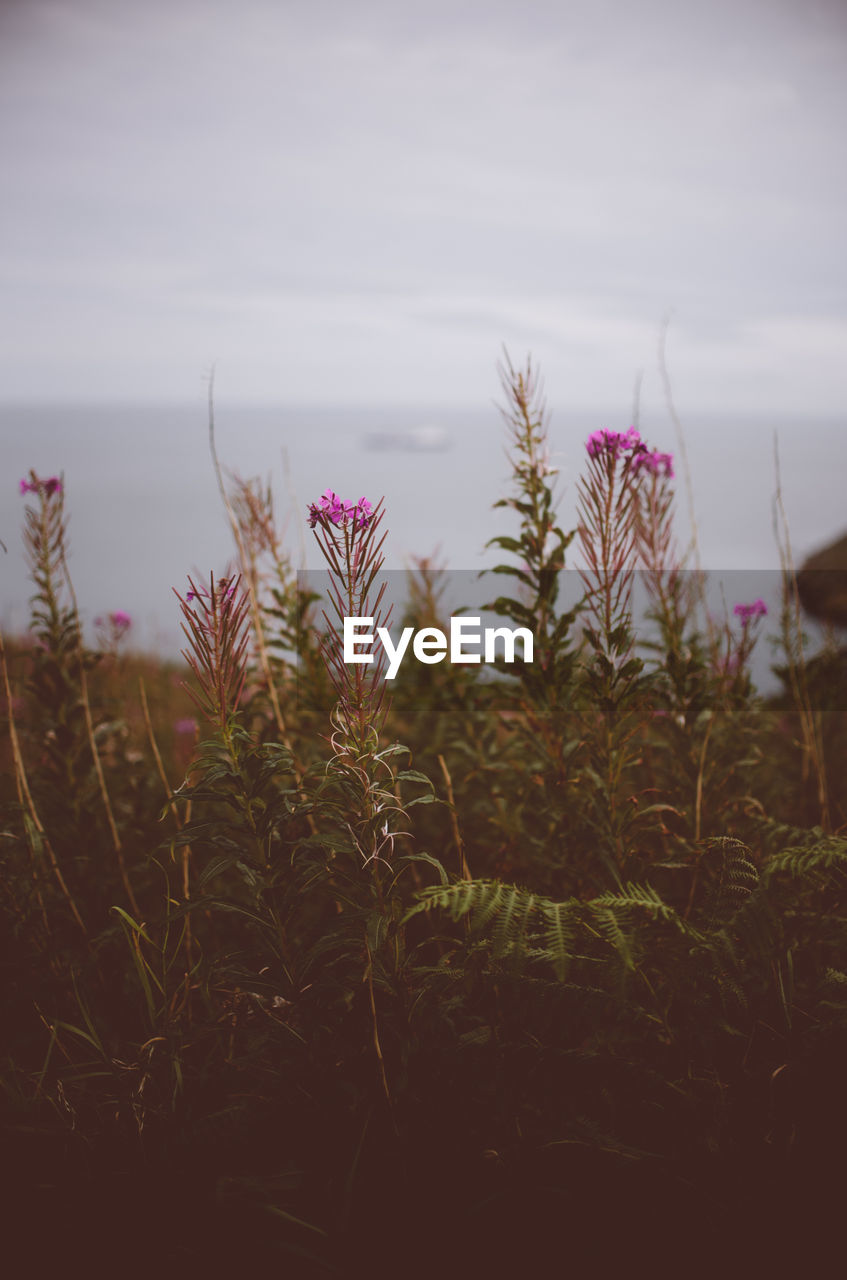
<point x="451" y="974"/>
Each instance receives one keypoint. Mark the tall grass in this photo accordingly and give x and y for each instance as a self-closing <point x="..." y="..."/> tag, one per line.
<point x="296" y="969"/>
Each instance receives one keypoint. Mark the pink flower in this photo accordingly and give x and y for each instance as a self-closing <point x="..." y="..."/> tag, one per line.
<point x="114" y="626"/>
<point x="50" y="486"/>
<point x="189" y="725"/>
<point x="364" y="512"/>
<point x="654" y="462"/>
<point x="612" y="442"/>
<point x="758" y="609"/>
<point x="330" y="509"/>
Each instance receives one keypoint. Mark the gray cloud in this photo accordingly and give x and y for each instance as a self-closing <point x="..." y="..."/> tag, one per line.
<point x="342" y="184"/>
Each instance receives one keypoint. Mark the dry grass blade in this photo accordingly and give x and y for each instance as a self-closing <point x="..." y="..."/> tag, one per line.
<point x="26" y="801"/>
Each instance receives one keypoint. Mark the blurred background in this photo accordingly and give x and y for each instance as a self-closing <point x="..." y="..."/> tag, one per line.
<point x="348" y="211"/>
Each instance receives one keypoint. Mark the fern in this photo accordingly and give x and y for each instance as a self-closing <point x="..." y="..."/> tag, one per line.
<point x="561" y="925"/>
<point x="609" y="923"/>
<point x="503" y="912"/>
<point x="511" y="924"/>
<point x="494" y="900"/>
<point x="780" y="834"/>
<point x="737" y="880"/>
<point x="643" y="897"/>
<point x="515" y="920"/>
<point x="826" y="854"/>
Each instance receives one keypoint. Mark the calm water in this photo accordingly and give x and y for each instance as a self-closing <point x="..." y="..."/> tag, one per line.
<point x="145" y="510"/>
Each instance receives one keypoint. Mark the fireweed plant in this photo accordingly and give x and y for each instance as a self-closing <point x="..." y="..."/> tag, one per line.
<point x="76" y="752"/>
<point x="673" y="592"/>
<point x="55" y="680"/>
<point x="348" y="536"/>
<point x="610" y="503"/>
<point x="285" y="623"/>
<point x="360" y="792"/>
<point x="540" y="745"/>
<point x="657" y="555"/>
<point x="602" y="981"/>
<point x="235" y="767"/>
<point x="361" y="768"/>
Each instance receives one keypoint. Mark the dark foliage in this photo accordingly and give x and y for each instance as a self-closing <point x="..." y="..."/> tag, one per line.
<point x="564" y="977"/>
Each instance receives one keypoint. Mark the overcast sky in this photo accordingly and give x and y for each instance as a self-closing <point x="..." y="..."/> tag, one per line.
<point x="359" y="203"/>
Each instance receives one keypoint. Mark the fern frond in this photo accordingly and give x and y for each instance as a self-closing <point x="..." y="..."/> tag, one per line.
<point x="561" y="921"/>
<point x="799" y="861"/>
<point x="510" y="928"/>
<point x="610" y="926"/>
<point x="506" y="915"/>
<point x="737" y="880"/>
<point x="492" y="898"/>
<point x="643" y="897"/>
<point x="456" y="899"/>
<point x="774" y="834"/>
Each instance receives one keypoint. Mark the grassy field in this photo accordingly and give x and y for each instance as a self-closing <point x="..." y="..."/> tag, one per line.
<point x="484" y="973"/>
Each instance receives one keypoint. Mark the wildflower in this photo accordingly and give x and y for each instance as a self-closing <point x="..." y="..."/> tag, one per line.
<point x="113" y="627"/>
<point x="217" y="642"/>
<point x="186" y="726"/>
<point x="330" y="509"/>
<point x="50" y="486"/>
<point x="758" y="609"/>
<point x="612" y="442"/>
<point x="364" y="512"/>
<point x="653" y="461"/>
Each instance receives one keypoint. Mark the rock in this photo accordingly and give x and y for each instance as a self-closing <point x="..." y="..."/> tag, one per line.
<point x="822" y="584"/>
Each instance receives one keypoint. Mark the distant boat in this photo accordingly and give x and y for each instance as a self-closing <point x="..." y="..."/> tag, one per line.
<point x="425" y="439"/>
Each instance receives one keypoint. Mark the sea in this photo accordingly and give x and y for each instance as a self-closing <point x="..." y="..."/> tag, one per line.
<point x="145" y="511"/>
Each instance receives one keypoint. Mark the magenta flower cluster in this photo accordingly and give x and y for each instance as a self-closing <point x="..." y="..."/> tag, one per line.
<point x="656" y="463"/>
<point x="50" y="486"/>
<point x="758" y="609"/>
<point x="119" y="621"/>
<point x="330" y="509"/>
<point x="612" y="442"/>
